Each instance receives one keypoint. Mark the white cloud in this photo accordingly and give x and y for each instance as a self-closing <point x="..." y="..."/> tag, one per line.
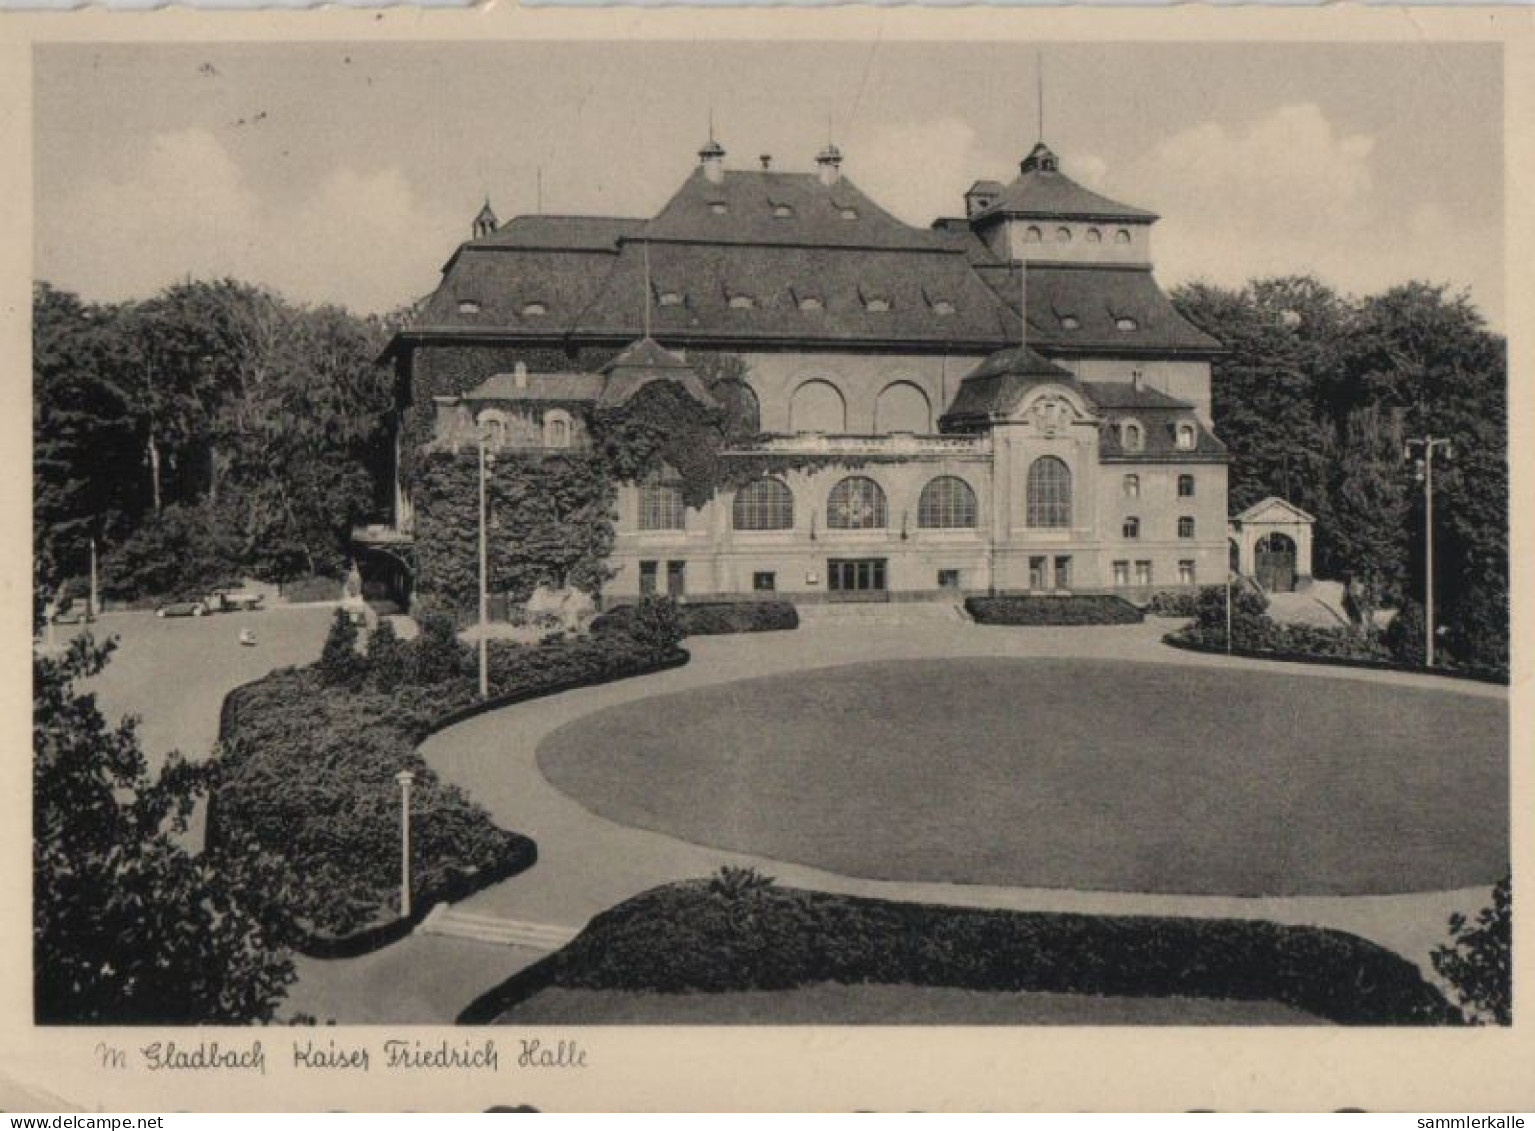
<point x="920" y="170"/>
<point x="184" y="209"/>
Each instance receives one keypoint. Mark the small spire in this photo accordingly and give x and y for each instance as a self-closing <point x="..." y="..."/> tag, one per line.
<point x="712" y="155"/>
<point x="485" y="223"/>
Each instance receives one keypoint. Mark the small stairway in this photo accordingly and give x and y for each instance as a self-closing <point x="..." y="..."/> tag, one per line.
<point x="882" y="612"/>
<point x="491" y="929"/>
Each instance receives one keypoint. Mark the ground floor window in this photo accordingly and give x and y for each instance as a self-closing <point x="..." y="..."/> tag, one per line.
<point x="662" y="507"/>
<point x="764" y="582"/>
<point x="1121" y="573"/>
<point x="1143" y="573"/>
<point x="676" y="578"/>
<point x="1185" y="573"/>
<point x="855" y="575"/>
<point x="648" y="578"/>
<point x="1063" y="573"/>
<point x="1037" y="567"/>
<point x="948" y="579"/>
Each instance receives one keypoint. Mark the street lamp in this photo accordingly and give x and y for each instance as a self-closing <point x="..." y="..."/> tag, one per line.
<point x="1425" y="474"/>
<point x="486" y="461"/>
<point x="405" y="778"/>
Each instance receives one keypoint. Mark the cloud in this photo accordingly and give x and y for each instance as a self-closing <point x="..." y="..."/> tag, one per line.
<point x="184" y="208"/>
<point x="920" y="170"/>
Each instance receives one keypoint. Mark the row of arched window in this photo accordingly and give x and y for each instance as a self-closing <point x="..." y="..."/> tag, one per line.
<point x="859" y="503"/>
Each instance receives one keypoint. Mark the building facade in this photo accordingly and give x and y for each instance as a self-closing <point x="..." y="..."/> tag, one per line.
<point x="1004" y="401"/>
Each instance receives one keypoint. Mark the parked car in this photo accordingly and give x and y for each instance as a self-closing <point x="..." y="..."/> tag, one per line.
<point x="195" y="608"/>
<point x="234" y="600"/>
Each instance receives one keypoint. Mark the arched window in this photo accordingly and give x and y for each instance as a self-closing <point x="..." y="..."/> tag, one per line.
<point x="902" y="407"/>
<point x="856" y="503"/>
<point x="1122" y="236"/>
<point x="1132" y="486"/>
<point x="1132" y="438"/>
<point x="946" y="503"/>
<point x="493" y="427"/>
<point x="1094" y="235"/>
<point x="767" y="504"/>
<point x="1049" y="493"/>
<point x="556" y="429"/>
<point x="661" y="506"/>
<point x="817" y="406"/>
<point x="1185" y="437"/>
<point x="1063" y="235"/>
<point x="1185" y="486"/>
<point x="1031" y="234"/>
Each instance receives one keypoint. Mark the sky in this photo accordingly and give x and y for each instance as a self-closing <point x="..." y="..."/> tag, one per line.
<point x="349" y="173"/>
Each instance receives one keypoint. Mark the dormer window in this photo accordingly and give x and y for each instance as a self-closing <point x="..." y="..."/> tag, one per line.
<point x="468" y="306"/>
<point x="811" y="303"/>
<point x="670" y="298"/>
<point x="1094" y="235"/>
<point x="876" y="305"/>
<point x="742" y="302"/>
<point x="534" y="310"/>
<point x="718" y="207"/>
<point x="1186" y="437"/>
<point x="1126" y="324"/>
<point x="848" y="213"/>
<point x="557" y="429"/>
<point x="1132" y="437"/>
<point x="1063" y="235"/>
<point x="783" y="212"/>
<point x="943" y="306"/>
<point x="1070" y="322"/>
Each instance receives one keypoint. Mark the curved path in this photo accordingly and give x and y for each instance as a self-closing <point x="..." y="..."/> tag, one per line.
<point x="587" y="863"/>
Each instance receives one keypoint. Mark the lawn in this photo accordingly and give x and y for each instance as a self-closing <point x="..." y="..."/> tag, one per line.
<point x="1065" y="773"/>
<point x="828" y="1003"/>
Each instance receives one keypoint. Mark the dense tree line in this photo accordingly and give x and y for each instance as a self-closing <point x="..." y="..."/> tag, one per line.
<point x="1316" y="398"/>
<point x="212" y="431"/>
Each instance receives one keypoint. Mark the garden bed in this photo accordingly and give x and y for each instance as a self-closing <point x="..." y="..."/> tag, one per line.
<point x="1367" y="663"/>
<point x="737" y="933"/>
<point x="714" y="618"/>
<point x="1043" y="610"/>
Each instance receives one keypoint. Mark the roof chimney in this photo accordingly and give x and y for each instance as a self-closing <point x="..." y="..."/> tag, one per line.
<point x="520" y="375"/>
<point x="767" y="160"/>
<point x="829" y="161"/>
<point x="1137" y="379"/>
<point x="712" y="158"/>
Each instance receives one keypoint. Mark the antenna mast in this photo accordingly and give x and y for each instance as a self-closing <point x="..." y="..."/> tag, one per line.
<point x="1039" y="76"/>
<point x="645" y="248"/>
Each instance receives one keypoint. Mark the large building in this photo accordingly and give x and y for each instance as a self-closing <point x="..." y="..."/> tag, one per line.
<point x="1004" y="401"/>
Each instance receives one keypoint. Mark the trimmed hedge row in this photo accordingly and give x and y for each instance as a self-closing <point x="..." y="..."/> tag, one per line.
<point x="1076" y="609"/>
<point x="308" y="775"/>
<point x="1173" y="603"/>
<point x="1218" y="646"/>
<point x="714" y="618"/>
<point x="708" y="936"/>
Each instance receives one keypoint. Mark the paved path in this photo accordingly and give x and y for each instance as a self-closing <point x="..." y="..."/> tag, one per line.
<point x="587" y="863"/>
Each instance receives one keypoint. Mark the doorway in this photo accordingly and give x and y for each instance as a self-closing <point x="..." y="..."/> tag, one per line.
<point x="856" y="579"/>
<point x="1275" y="563"/>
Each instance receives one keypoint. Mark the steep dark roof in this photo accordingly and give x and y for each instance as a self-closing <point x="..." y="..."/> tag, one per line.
<point x="1160" y="424"/>
<point x="916" y="285"/>
<point x="998" y="383"/>
<point x="1042" y="190"/>
<point x="1125" y="394"/>
<point x="504" y="283"/>
<point x="751" y="200"/>
<point x="538" y="387"/>
<point x="644" y="363"/>
<point x="561" y="233"/>
<point x="1097" y="297"/>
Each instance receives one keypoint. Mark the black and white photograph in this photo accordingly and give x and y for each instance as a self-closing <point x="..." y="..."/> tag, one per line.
<point x="546" y="538"/>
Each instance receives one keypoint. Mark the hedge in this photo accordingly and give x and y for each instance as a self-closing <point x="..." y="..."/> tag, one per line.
<point x="714" y="618"/>
<point x="1173" y="603"/>
<point x="714" y="937"/>
<point x="308" y="771"/>
<point x="1026" y="609"/>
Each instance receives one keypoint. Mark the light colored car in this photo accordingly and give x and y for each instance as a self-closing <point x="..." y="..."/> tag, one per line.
<point x="235" y="600"/>
<point x="182" y="609"/>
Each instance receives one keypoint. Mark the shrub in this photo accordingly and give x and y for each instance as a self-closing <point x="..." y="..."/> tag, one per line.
<point x="436" y="655"/>
<point x="653" y="622"/>
<point x="1476" y="629"/>
<point x="734" y="882"/>
<point x="1172" y="603"/>
<point x="1249" y="611"/>
<point x="691" y="937"/>
<point x="1478" y="962"/>
<point x="1025" y="609"/>
<point x="340" y="665"/>
<point x="712" y="618"/>
<point x="387" y="657"/>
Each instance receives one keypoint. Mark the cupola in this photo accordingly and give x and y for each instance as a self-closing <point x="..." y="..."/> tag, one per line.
<point x="829" y="165"/>
<point x="1042" y="158"/>
<point x="712" y="158"/>
<point x="485" y="223"/>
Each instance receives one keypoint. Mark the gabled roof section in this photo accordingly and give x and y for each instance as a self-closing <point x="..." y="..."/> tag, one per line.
<point x="1043" y="191"/>
<point x="645" y="363"/>
<point x="748" y="206"/>
<point x="561" y="233"/>
<point x="1274" y="509"/>
<point x="529" y="291"/>
<point x="997" y="385"/>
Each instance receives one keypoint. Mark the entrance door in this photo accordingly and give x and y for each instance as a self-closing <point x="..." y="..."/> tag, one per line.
<point x="1275" y="563"/>
<point x="856" y="579"/>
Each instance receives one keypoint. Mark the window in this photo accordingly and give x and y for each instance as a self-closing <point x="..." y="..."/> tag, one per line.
<point x="1063" y="572"/>
<point x="468" y="306"/>
<point x="946" y="503"/>
<point x="1037" y="567"/>
<point x="1132" y="486"/>
<point x="857" y="503"/>
<point x="1185" y="573"/>
<point x="1122" y="236"/>
<point x="764" y="582"/>
<point x="671" y="298"/>
<point x="534" y="310"/>
<point x="1031" y="234"/>
<point x="676" y="578"/>
<point x="556" y="429"/>
<point x="948" y="579"/>
<point x="767" y="504"/>
<point x="1185" y="437"/>
<point x="1048" y="492"/>
<point x="1070" y="322"/>
<point x="1121" y="573"/>
<point x="943" y="306"/>
<point x="1131" y="528"/>
<point x="661" y="507"/>
<point x="1143" y="573"/>
<point x="1126" y="324"/>
<point x="783" y="212"/>
<point x="493" y="428"/>
<point x="648" y="578"/>
<point x="876" y="305"/>
<point x="1063" y="235"/>
<point x="811" y="303"/>
<point x="1186" y="526"/>
<point x="1131" y="436"/>
<point x="848" y="213"/>
<point x="1185" y="486"/>
<point x="1094" y="235"/>
<point x="817" y="406"/>
<point x="718" y="207"/>
<point x="742" y="302"/>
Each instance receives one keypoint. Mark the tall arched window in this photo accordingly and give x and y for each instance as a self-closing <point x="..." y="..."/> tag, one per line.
<point x="856" y="503"/>
<point x="767" y="504"/>
<point x="902" y="407"/>
<point x="662" y="506"/>
<point x="1049" y="493"/>
<point x="817" y="406"/>
<point x="946" y="503"/>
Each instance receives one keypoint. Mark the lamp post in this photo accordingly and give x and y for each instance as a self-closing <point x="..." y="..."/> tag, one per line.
<point x="1229" y="580"/>
<point x="405" y="778"/>
<point x="486" y="461"/>
<point x="1427" y="445"/>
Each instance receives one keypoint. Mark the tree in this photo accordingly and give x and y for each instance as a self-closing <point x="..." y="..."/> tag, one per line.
<point x="341" y="665"/>
<point x="1478" y="961"/>
<point x="1370" y="512"/>
<point x="129" y="925"/>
